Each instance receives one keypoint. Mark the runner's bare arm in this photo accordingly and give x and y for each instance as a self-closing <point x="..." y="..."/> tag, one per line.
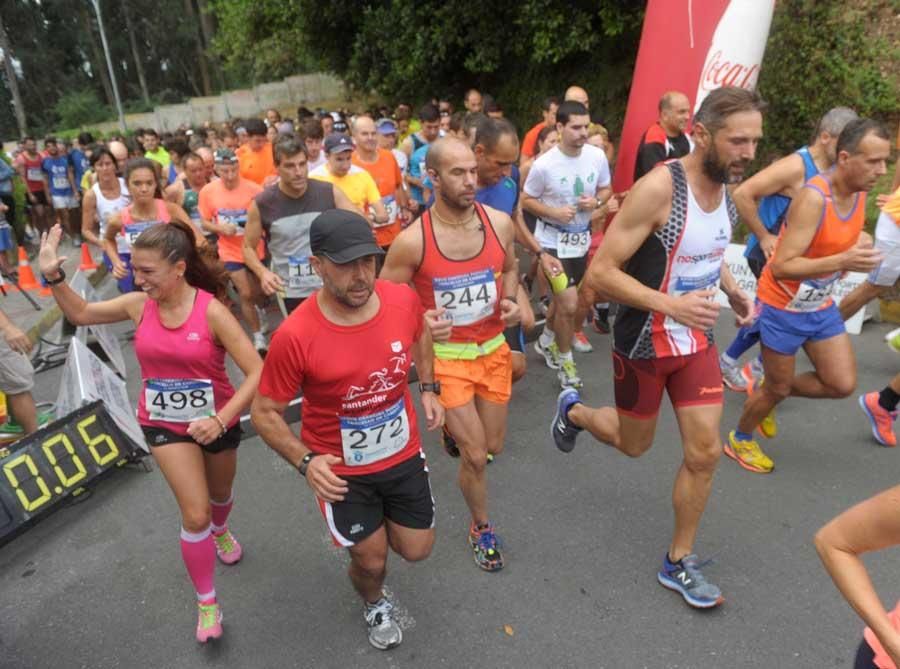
<point x="741" y="303"/>
<point x="423" y="357"/>
<point x="341" y="201"/>
<point x="549" y="264"/>
<point x="174" y="192"/>
<point x="113" y="227"/>
<point x="869" y="526"/>
<point x="803" y="219"/>
<point x="253" y="230"/>
<point x="89" y="226"/>
<point x="534" y="206"/>
<point x="404" y="255"/>
<point x="784" y="176"/>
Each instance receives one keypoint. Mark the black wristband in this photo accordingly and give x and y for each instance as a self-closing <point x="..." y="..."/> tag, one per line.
<point x="304" y="463"/>
<point x="59" y="279"/>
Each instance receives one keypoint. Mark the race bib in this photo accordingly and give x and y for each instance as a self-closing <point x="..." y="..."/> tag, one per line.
<point x="690" y="284"/>
<point x="237" y="217"/>
<point x="131" y="232"/>
<point x="34" y="174"/>
<point x="393" y="210"/>
<point x="60" y="183"/>
<point x="572" y="244"/>
<point x="812" y="294"/>
<point x="179" y="400"/>
<point x="468" y="298"/>
<point x="368" y="439"/>
<point x="301" y="274"/>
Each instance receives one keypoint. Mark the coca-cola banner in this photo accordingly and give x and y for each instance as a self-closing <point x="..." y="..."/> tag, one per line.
<point x="692" y="46"/>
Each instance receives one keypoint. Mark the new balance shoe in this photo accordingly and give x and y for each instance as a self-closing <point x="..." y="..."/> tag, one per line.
<point x="732" y="377"/>
<point x="384" y="632"/>
<point x="580" y="342"/>
<point x="209" y="621"/>
<point x="748" y="454"/>
<point x="685" y="578"/>
<point x="486" y="547"/>
<point x="568" y="374"/>
<point x="563" y="431"/>
<point x="550" y="353"/>
<point x="227" y="547"/>
<point x="881" y="420"/>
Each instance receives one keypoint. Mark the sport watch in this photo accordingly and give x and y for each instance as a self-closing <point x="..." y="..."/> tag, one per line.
<point x="304" y="463"/>
<point x="430" y="387"/>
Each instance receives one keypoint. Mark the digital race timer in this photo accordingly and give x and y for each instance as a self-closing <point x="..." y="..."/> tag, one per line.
<point x="39" y="471"/>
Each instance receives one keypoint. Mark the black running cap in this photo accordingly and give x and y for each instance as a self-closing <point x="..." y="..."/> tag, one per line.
<point x="342" y="236"/>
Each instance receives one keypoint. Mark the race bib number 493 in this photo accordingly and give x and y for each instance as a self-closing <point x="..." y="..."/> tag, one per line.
<point x="376" y="436"/>
<point x="179" y="400"/>
<point x="572" y="244"/>
<point x="468" y="298"/>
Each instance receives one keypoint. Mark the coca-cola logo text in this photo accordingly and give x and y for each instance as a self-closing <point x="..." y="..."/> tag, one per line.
<point x="718" y="72"/>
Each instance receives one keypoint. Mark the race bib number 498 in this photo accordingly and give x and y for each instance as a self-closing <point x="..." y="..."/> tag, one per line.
<point x="468" y="298"/>
<point x="374" y="437"/>
<point x="179" y="400"/>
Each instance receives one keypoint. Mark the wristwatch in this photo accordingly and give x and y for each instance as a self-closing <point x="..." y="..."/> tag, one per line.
<point x="304" y="463"/>
<point x="430" y="387"/>
<point x="59" y="279"/>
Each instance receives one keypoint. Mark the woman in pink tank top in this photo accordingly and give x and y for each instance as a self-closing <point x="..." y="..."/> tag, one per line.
<point x="147" y="208"/>
<point x="188" y="409"/>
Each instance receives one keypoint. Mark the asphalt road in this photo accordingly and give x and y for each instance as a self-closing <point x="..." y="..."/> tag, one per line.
<point x="101" y="584"/>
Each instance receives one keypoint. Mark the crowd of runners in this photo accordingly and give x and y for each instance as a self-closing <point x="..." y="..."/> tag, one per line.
<point x="438" y="239"/>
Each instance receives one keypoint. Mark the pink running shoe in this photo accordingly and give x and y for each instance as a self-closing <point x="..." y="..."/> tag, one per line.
<point x="881" y="419"/>
<point x="209" y="621"/>
<point x="227" y="547"/>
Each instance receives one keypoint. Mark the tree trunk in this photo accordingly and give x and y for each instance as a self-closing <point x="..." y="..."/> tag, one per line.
<point x="98" y="62"/>
<point x="208" y="27"/>
<point x="202" y="63"/>
<point x="135" y="53"/>
<point x="13" y="81"/>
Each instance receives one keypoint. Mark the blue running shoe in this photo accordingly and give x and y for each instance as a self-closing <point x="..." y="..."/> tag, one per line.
<point x="685" y="578"/>
<point x="562" y="429"/>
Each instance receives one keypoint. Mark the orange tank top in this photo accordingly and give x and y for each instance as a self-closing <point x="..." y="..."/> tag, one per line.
<point x="470" y="290"/>
<point x="835" y="234"/>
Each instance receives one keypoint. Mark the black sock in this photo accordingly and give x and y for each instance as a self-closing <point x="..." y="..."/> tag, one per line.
<point x="888" y="399"/>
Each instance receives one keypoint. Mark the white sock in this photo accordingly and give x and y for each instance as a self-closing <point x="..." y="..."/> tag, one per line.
<point x="565" y="356"/>
<point x="727" y="359"/>
<point x="547" y="337"/>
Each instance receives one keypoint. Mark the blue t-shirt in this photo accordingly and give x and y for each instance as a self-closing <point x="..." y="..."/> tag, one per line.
<point x="503" y="195"/>
<point x="417" y="170"/>
<point x="80" y="165"/>
<point x="57" y="170"/>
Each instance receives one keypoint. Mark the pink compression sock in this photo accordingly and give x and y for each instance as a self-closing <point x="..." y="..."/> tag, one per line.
<point x="220" y="511"/>
<point x="198" y="550"/>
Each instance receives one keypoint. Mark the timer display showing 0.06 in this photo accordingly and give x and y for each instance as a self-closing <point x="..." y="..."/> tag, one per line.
<point x="55" y="461"/>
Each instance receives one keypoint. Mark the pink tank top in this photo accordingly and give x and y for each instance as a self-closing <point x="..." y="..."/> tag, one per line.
<point x="180" y="368"/>
<point x="132" y="228"/>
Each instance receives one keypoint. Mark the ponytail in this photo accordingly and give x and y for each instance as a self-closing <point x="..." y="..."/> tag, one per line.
<point x="176" y="241"/>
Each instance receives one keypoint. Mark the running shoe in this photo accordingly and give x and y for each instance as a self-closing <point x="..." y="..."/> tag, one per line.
<point x="449" y="443"/>
<point x="209" y="621"/>
<point x="768" y="426"/>
<point x="544" y="305"/>
<point x="748" y="455"/>
<point x="550" y="353"/>
<point x="486" y="547"/>
<point x="732" y="377"/>
<point x="568" y="375"/>
<point x="752" y="371"/>
<point x="561" y="429"/>
<point x="227" y="547"/>
<point x="881" y="419"/>
<point x="600" y="321"/>
<point x="260" y="343"/>
<point x="384" y="632"/>
<point x="580" y="342"/>
<point x="685" y="578"/>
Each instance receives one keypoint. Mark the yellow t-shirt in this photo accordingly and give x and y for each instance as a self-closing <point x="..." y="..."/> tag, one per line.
<point x="358" y="185"/>
<point x="892" y="206"/>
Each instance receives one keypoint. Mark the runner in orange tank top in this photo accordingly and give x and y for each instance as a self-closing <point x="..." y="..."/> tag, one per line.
<point x="819" y="243"/>
<point x="460" y="258"/>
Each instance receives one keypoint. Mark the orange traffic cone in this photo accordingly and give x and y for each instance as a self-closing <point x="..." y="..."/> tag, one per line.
<point x="26" y="274"/>
<point x="45" y="291"/>
<point x="87" y="262"/>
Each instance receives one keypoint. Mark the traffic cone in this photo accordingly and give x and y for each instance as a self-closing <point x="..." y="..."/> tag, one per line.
<point x="27" y="281"/>
<point x="87" y="262"/>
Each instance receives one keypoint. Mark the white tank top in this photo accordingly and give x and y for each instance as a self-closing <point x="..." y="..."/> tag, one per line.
<point x="106" y="207"/>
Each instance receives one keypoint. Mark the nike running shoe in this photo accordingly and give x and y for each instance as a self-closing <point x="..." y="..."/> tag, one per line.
<point x="550" y="353"/>
<point x="732" y="376"/>
<point x="881" y="419"/>
<point x="384" y="632"/>
<point x="562" y="429"/>
<point x="449" y="443"/>
<point x="486" y="547"/>
<point x="580" y="342"/>
<point x="748" y="455"/>
<point x="568" y="375"/>
<point x="209" y="621"/>
<point x="685" y="578"/>
<point x="768" y="426"/>
<point x="227" y="547"/>
<point x="752" y="371"/>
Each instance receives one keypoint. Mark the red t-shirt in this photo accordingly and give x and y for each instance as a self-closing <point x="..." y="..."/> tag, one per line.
<point x="354" y="379"/>
<point x="529" y="142"/>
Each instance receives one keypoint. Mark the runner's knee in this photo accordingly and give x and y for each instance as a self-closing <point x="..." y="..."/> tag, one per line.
<point x="842" y="386"/>
<point x="415" y="551"/>
<point x="196" y="519"/>
<point x="370" y="563"/>
<point x="703" y="455"/>
<point x="777" y="391"/>
<point x="635" y="447"/>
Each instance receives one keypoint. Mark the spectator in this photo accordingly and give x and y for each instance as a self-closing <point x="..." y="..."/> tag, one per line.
<point x="17" y="375"/>
<point x="665" y="139"/>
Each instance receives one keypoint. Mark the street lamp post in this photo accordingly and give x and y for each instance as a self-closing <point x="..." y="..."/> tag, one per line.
<point x="109" y="65"/>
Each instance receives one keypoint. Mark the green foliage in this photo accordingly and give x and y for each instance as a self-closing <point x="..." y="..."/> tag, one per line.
<point x="77" y="108"/>
<point x="821" y="55"/>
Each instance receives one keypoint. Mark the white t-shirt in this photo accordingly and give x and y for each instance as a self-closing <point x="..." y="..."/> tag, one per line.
<point x="402" y="160"/>
<point x="321" y="160"/>
<point x="557" y="180"/>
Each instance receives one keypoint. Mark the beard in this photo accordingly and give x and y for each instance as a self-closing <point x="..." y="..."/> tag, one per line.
<point x="459" y="202"/>
<point x="718" y="171"/>
<point x="352" y="302"/>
